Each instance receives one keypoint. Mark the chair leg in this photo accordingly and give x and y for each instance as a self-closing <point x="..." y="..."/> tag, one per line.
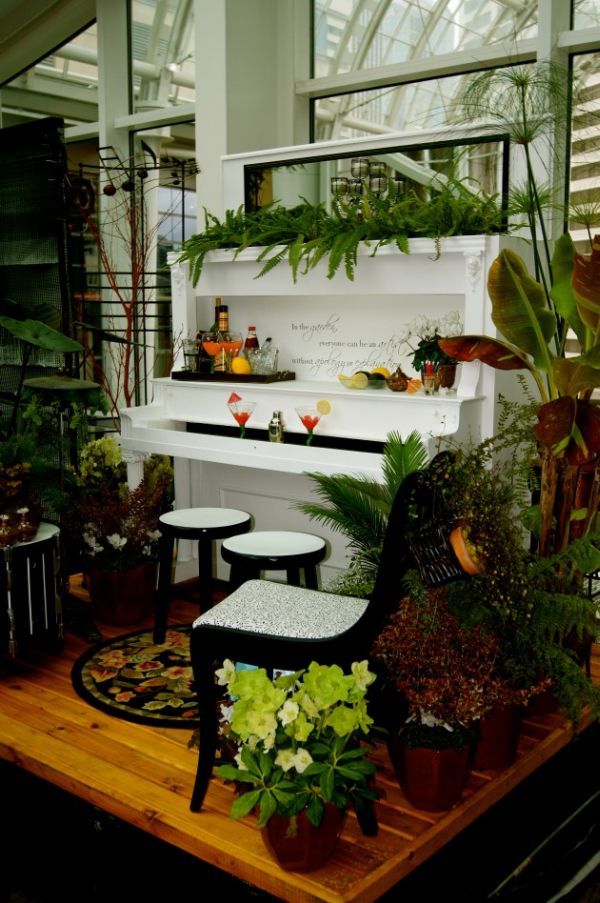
<point x="310" y="577"/>
<point x="163" y="590"/>
<point x="205" y="579"/>
<point x="207" y="710"/>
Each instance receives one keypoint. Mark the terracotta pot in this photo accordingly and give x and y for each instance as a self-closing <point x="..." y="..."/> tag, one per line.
<point x="460" y="548"/>
<point x="498" y="737"/>
<point x="122" y="597"/>
<point x="297" y="845"/>
<point x="432" y="779"/>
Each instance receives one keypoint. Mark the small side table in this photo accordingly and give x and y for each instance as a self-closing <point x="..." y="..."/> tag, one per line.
<point x="30" y="602"/>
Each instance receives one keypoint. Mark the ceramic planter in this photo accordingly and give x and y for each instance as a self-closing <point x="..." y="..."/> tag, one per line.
<point x="297" y="845"/>
<point x="431" y="779"/>
<point x="499" y="737"/>
<point x="122" y="597"/>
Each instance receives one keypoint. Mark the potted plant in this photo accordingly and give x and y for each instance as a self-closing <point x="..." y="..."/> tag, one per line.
<point x="447" y="678"/>
<point x="421" y="337"/>
<point x="116" y="529"/>
<point x="534" y="313"/>
<point x="359" y="506"/>
<point x="299" y="740"/>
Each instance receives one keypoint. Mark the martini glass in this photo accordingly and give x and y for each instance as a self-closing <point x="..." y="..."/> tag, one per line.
<point x="241" y="412"/>
<point x="309" y="417"/>
<point x="231" y="342"/>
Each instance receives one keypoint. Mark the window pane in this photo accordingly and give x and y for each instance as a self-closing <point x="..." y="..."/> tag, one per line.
<point x="587" y="13"/>
<point x="354" y="35"/>
<point x="162" y="50"/>
<point x="585" y="149"/>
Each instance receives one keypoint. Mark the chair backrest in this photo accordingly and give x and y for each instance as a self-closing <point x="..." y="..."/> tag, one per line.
<point x="412" y="540"/>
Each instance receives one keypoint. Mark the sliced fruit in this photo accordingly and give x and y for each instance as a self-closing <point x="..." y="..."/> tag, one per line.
<point x="240" y="365"/>
<point x="360" y="380"/>
<point x="323" y="407"/>
<point x="343" y="378"/>
<point x="233" y="398"/>
<point x="381" y="371"/>
<point x="414" y="385"/>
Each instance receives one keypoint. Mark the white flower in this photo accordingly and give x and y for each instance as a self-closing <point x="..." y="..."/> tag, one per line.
<point x="428" y="719"/>
<point x="262" y="723"/>
<point x="288" y="712"/>
<point x="363" y="677"/>
<point x="225" y="674"/>
<point x="239" y="763"/>
<point x="116" y="541"/>
<point x="226" y="712"/>
<point x="269" y="741"/>
<point x="153" y="535"/>
<point x="285" y="759"/>
<point x="302" y="760"/>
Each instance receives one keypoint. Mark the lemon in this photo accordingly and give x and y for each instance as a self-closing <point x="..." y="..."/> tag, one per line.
<point x="382" y="371"/>
<point x="360" y="380"/>
<point x="323" y="407"/>
<point x="240" y="365"/>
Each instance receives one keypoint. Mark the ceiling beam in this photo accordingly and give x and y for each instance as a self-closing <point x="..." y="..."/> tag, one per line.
<point x="31" y="30"/>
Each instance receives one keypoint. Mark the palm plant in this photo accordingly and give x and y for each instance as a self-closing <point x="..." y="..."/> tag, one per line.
<point x="359" y="506"/>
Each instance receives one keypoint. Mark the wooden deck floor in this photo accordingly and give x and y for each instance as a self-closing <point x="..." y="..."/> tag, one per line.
<point x="144" y="776"/>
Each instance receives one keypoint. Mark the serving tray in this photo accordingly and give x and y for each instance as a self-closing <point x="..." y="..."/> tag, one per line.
<point x="195" y="376"/>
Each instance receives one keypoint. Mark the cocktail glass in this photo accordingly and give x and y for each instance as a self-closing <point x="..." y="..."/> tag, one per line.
<point x="241" y="412"/>
<point x="212" y="342"/>
<point x="231" y="342"/>
<point x="309" y="417"/>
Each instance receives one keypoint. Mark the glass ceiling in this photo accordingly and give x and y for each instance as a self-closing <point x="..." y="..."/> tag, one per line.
<point x="362" y="34"/>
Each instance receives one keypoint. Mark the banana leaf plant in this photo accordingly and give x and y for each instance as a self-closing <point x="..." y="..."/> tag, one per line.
<point x="534" y="323"/>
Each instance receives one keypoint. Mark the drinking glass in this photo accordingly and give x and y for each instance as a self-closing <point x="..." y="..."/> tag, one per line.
<point x="309" y="417"/>
<point x="231" y="342"/>
<point x="212" y="342"/>
<point x="241" y="412"/>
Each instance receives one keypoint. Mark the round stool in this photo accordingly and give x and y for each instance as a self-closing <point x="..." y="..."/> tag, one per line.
<point x="276" y="550"/>
<point x="203" y="525"/>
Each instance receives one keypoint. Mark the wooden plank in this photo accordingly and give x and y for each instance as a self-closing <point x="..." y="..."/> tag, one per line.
<point x="144" y="776"/>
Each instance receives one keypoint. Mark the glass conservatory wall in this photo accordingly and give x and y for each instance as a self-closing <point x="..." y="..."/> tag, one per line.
<point x="162" y="52"/>
<point x="365" y="34"/>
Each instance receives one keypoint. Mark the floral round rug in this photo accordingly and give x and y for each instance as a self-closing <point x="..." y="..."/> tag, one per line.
<point x="134" y="678"/>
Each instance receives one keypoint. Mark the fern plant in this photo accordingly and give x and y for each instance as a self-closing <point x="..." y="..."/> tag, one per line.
<point x="359" y="507"/>
<point x="307" y="233"/>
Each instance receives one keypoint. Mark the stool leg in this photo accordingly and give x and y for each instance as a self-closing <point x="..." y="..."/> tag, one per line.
<point x="293" y="576"/>
<point x="163" y="590"/>
<point x="310" y="576"/>
<point x="205" y="573"/>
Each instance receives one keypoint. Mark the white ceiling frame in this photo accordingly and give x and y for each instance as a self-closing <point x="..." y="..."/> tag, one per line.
<point x="445" y="64"/>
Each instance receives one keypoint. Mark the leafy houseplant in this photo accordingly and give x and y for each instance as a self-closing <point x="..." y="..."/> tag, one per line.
<point x="533" y="314"/>
<point x="116" y="529"/>
<point x="119" y="525"/>
<point x="359" y="507"/>
<point x="309" y="233"/>
<point x="298" y="740"/>
<point x="421" y="336"/>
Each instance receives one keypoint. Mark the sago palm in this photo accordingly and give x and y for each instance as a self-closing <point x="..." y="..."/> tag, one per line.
<point x="359" y="506"/>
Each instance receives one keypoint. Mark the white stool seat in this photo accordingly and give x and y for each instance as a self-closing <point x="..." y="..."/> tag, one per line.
<point x="203" y="518"/>
<point x="274" y="543"/>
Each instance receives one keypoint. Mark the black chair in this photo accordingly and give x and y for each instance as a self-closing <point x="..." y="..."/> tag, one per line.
<point x="280" y="626"/>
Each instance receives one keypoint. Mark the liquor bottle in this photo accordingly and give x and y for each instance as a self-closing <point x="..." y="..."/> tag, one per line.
<point x="251" y="343"/>
<point x="276" y="427"/>
<point x="223" y="321"/>
<point x="215" y="326"/>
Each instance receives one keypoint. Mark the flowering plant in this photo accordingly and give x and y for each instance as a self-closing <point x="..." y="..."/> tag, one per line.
<point x="448" y="673"/>
<point x="421" y="336"/>
<point x="298" y="739"/>
<point x="118" y="525"/>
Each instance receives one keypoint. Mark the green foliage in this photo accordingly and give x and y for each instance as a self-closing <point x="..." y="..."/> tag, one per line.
<point x="298" y="740"/>
<point x="359" y="507"/>
<point x="306" y="234"/>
